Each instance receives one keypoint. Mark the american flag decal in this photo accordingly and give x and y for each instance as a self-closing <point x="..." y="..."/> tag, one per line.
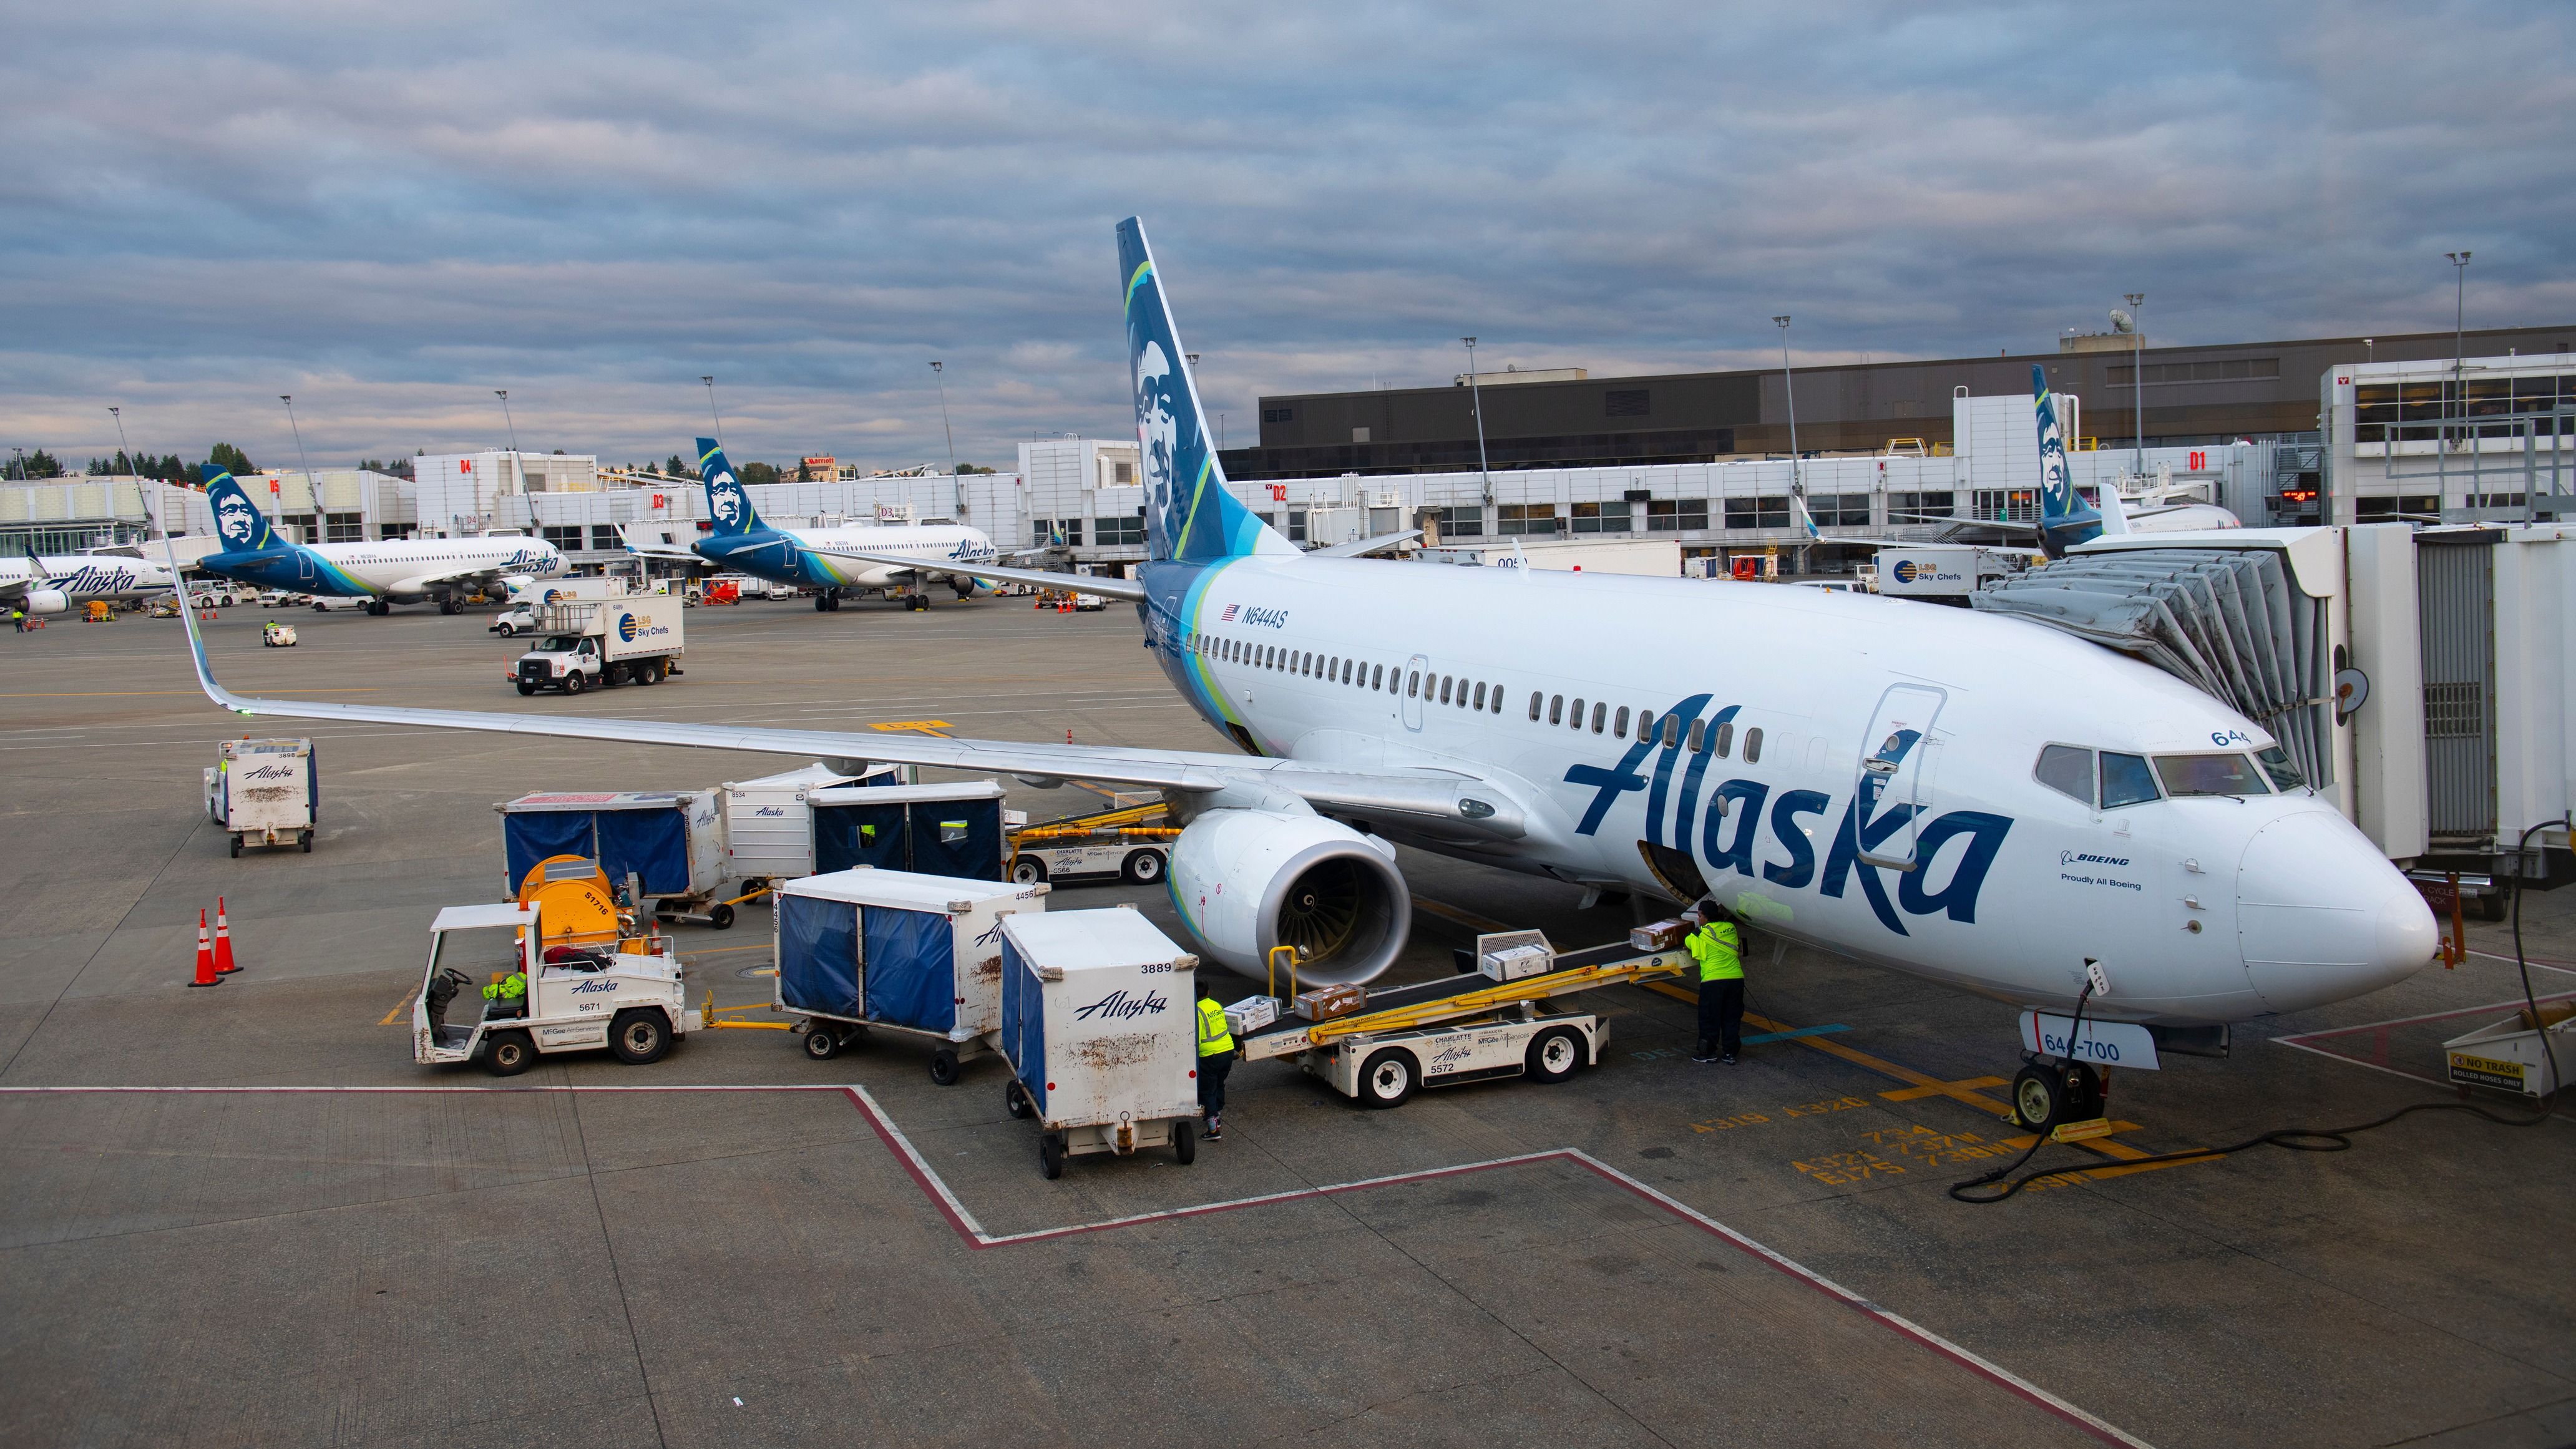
<point x="1229" y="613"/>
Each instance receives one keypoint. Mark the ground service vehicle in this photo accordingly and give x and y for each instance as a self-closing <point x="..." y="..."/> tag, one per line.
<point x="589" y="978"/>
<point x="264" y="792"/>
<point x="602" y="642"/>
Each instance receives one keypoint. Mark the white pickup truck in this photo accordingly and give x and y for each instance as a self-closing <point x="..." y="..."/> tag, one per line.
<point x="604" y="642"/>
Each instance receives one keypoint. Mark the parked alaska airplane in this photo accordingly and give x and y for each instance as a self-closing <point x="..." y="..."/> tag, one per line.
<point x="1967" y="797"/>
<point x="821" y="559"/>
<point x="2065" y="517"/>
<point x="395" y="571"/>
<point x="53" y="583"/>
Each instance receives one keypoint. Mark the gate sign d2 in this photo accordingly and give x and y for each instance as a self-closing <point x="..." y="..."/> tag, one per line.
<point x="2101" y="1043"/>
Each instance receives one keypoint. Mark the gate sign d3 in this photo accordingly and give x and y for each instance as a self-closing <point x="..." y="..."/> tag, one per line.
<point x="2101" y="1043"/>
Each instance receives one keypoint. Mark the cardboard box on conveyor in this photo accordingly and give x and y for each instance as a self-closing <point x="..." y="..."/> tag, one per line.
<point x="1326" y="1002"/>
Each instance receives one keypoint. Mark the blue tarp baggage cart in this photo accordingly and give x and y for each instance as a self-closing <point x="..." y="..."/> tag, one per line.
<point x="1100" y="1025"/>
<point x="671" y="841"/>
<point x="888" y="950"/>
<point x="953" y="829"/>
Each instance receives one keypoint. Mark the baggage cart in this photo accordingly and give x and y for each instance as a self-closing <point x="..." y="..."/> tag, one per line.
<point x="916" y="955"/>
<point x="265" y="792"/>
<point x="769" y="826"/>
<point x="952" y="829"/>
<point x="671" y="841"/>
<point x="1100" y="1026"/>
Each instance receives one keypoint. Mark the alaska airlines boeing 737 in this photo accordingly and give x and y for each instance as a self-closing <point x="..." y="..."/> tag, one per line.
<point x="1972" y="798"/>
<point x="395" y="571"/>
<point x="51" y="584"/>
<point x="825" y="560"/>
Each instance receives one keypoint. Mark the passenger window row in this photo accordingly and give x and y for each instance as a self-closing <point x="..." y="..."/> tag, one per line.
<point x="1339" y="669"/>
<point x="1697" y="737"/>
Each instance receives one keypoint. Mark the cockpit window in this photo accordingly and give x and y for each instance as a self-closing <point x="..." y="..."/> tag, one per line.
<point x="2068" y="770"/>
<point x="2285" y="775"/>
<point x="2126" y="780"/>
<point x="2210" y="775"/>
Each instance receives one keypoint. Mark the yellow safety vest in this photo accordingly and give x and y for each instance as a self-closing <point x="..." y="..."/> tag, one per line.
<point x="1717" y="948"/>
<point x="1214" y="1037"/>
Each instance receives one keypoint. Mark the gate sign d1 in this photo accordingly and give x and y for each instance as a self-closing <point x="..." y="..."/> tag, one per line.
<point x="2102" y="1043"/>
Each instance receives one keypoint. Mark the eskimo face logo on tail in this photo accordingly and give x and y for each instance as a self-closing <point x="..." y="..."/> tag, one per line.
<point x="1158" y="425"/>
<point x="725" y="496"/>
<point x="235" y="523"/>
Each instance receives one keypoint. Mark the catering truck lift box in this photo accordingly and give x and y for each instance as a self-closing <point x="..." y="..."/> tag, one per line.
<point x="602" y="642"/>
<point x="671" y="841"/>
<point x="264" y="792"/>
<point x="1100" y="1025"/>
<point x="920" y="955"/>
<point x="953" y="829"/>
<point x="769" y="826"/>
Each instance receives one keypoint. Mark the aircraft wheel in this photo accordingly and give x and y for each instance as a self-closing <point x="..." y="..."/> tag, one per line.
<point x="2039" y="1097"/>
<point x="822" y="604"/>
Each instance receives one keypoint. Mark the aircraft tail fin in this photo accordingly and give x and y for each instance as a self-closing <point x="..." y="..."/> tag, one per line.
<point x="727" y="504"/>
<point x="2065" y="519"/>
<point x="1189" y="515"/>
<point x="238" y="521"/>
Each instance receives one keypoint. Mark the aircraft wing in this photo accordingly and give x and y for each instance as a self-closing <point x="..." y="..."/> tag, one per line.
<point x="668" y="552"/>
<point x="1458" y="803"/>
<point x="1361" y="546"/>
<point x="1127" y="589"/>
<point x="420" y="583"/>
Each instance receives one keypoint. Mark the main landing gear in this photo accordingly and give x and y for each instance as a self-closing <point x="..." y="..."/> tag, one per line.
<point x="827" y="602"/>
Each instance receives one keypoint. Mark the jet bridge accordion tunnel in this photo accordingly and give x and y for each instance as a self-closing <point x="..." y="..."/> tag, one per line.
<point x="2232" y="622"/>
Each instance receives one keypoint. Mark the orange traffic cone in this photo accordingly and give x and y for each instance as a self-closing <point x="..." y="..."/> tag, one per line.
<point x="205" y="957"/>
<point x="223" y="942"/>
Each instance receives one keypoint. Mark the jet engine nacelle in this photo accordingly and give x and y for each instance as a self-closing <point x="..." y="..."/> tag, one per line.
<point x="46" y="601"/>
<point x="970" y="588"/>
<point x="1248" y="880"/>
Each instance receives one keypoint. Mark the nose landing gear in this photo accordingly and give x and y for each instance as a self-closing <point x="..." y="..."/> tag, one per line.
<point x="2050" y="1091"/>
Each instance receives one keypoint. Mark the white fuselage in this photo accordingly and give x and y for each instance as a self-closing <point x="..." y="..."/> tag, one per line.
<point x="2202" y="908"/>
<point x="403" y="570"/>
<point x="768" y="553"/>
<point x="85" y="577"/>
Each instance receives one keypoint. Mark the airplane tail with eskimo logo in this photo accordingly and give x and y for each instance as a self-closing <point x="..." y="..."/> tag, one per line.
<point x="2065" y="519"/>
<point x="1189" y="515"/>
<point x="238" y="521"/>
<point x="727" y="504"/>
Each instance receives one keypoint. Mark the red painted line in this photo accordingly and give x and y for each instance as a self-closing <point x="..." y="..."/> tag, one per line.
<point x="973" y="1235"/>
<point x="2304" y="1037"/>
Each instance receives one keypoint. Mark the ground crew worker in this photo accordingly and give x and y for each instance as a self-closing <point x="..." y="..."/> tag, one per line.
<point x="508" y="988"/>
<point x="18" y="620"/>
<point x="1216" y="1059"/>
<point x="1718" y="947"/>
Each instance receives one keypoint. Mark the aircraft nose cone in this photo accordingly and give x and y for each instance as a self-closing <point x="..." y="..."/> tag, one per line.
<point x="2321" y="915"/>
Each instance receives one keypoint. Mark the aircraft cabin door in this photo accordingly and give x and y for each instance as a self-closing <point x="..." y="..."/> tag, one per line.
<point x="303" y="566"/>
<point x="1895" y="773"/>
<point x="1417" y="673"/>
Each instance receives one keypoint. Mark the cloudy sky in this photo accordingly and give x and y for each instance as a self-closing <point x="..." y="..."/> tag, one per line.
<point x="390" y="209"/>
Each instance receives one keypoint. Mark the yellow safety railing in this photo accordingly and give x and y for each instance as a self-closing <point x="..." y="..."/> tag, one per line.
<point x="1504" y="993"/>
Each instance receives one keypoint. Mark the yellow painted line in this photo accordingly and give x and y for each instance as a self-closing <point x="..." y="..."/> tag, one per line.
<point x="392" y="1016"/>
<point x="1912" y="1094"/>
<point x="1930" y="1086"/>
<point x="137" y="693"/>
<point x="1460" y="917"/>
<point x="924" y="726"/>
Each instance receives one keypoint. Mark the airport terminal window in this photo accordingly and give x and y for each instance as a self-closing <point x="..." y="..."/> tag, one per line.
<point x="1840" y="510"/>
<point x="2210" y="775"/>
<point x="1072" y="528"/>
<point x="2004" y="505"/>
<point x="567" y="536"/>
<point x="2285" y="775"/>
<point x="1600" y="717"/>
<point x="1278" y="415"/>
<point x="352" y="528"/>
<point x="1462" y="522"/>
<point x="1511" y="519"/>
<point x="1920" y="507"/>
<point x="1770" y="512"/>
<point x="1676" y="515"/>
<point x="1119" y="529"/>
<point x="1752" y="746"/>
<point x="604" y="539"/>
<point x="1296" y="525"/>
<point x="1601" y="518"/>
<point x="2068" y="770"/>
<point x="2126" y="780"/>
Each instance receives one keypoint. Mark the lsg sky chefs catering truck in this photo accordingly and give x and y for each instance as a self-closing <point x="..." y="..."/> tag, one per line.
<point x="586" y="642"/>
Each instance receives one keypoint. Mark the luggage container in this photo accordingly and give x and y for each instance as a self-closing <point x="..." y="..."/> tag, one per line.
<point x="265" y="792"/>
<point x="671" y="841"/>
<point x="953" y="829"/>
<point x="769" y="827"/>
<point x="1100" y="1026"/>
<point x="920" y="955"/>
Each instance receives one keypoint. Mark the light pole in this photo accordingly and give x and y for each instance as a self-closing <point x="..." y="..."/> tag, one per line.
<point x="2138" y="377"/>
<point x="313" y="493"/>
<point x="939" y="375"/>
<point x="2459" y="330"/>
<point x="1476" y="404"/>
<point x="712" y="415"/>
<point x="1789" y="379"/>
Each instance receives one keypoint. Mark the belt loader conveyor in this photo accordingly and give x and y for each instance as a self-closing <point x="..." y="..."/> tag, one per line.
<point x="1435" y="1034"/>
